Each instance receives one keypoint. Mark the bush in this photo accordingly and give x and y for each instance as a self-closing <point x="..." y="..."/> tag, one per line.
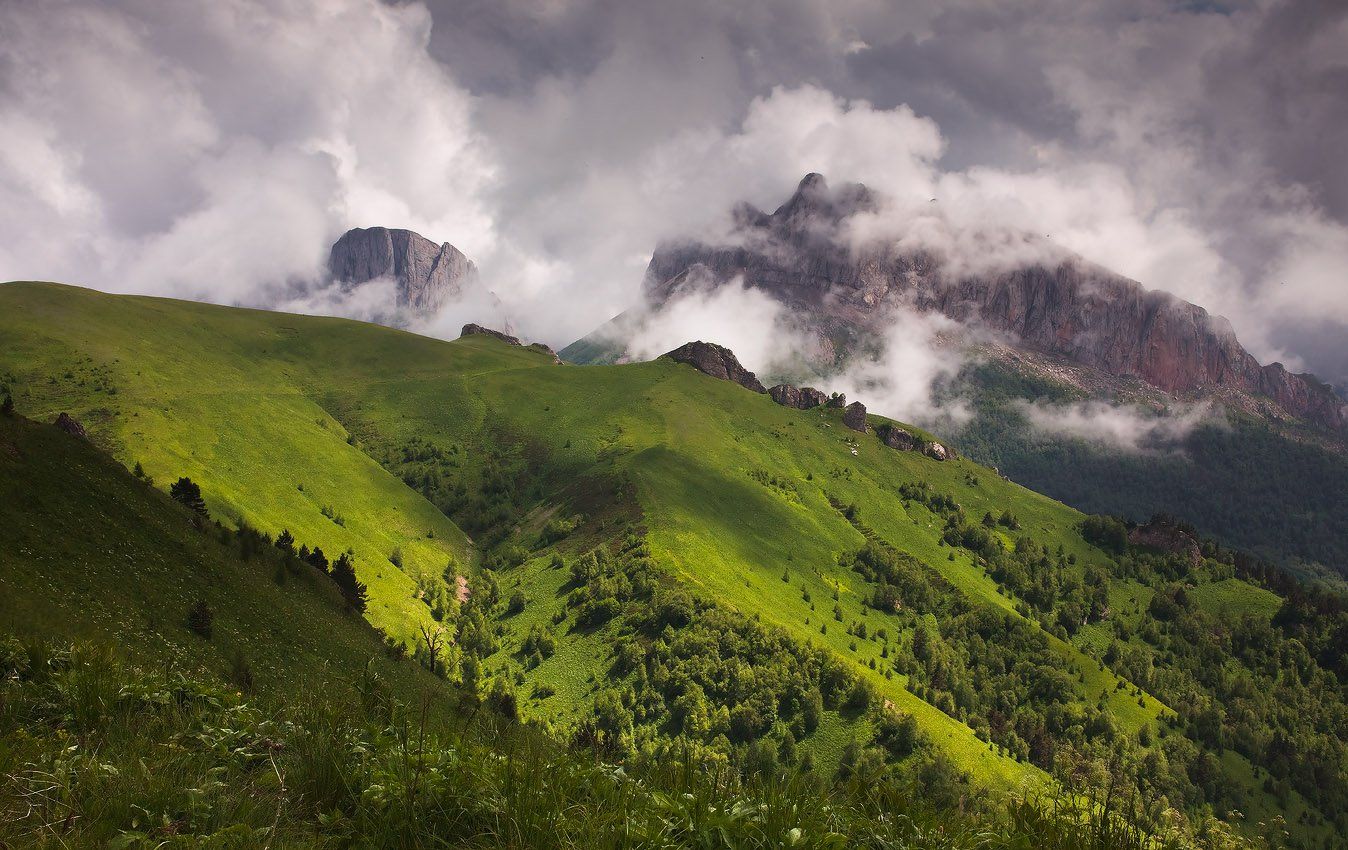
<point x="201" y="619"/>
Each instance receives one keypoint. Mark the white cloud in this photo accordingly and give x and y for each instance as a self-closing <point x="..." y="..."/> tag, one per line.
<point x="215" y="151"/>
<point x="747" y="321"/>
<point x="1125" y="427"/>
<point x="920" y="355"/>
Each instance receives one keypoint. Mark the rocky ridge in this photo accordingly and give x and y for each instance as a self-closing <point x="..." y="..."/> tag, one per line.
<point x="474" y="329"/>
<point x="721" y="363"/>
<point x="717" y="361"/>
<point x="801" y="398"/>
<point x="800" y="254"/>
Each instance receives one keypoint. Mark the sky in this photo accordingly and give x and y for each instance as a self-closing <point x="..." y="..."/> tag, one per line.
<point x="215" y="151"/>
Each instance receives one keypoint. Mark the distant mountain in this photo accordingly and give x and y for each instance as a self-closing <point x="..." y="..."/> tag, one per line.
<point x="1056" y="333"/>
<point x="427" y="275"/>
<point x="1068" y="308"/>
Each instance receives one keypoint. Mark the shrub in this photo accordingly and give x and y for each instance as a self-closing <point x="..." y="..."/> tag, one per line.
<point x="201" y="619"/>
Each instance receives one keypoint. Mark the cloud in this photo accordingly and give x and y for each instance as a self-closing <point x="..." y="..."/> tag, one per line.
<point x="1124" y="427"/>
<point x="920" y="355"/>
<point x="748" y="322"/>
<point x="371" y="301"/>
<point x="215" y="152"/>
<point x="1193" y="147"/>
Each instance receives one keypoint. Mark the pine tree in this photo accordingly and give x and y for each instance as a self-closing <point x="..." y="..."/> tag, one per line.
<point x="7" y="406"/>
<point x="187" y="492"/>
<point x="285" y="541"/>
<point x="353" y="591"/>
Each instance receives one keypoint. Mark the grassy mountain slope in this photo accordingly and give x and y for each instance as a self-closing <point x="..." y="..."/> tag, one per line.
<point x="225" y="399"/>
<point x="746" y="503"/>
<point x="92" y="554"/>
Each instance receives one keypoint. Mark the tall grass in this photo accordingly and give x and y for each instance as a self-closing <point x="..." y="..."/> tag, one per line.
<point x="97" y="753"/>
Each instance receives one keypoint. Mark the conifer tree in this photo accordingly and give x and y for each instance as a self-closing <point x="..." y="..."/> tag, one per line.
<point x="353" y="590"/>
<point x="187" y="492"/>
<point x="201" y="619"/>
<point x="285" y="541"/>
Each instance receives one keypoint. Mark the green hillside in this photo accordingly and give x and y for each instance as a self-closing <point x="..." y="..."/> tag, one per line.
<point x="91" y="554"/>
<point x="654" y="559"/>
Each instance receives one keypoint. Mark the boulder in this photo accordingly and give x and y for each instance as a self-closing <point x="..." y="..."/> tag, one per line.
<point x="470" y="329"/>
<point x="71" y="426"/>
<point x="838" y="400"/>
<point x="854" y="416"/>
<point x="800" y="398"/>
<point x="717" y="361"/>
<point x="897" y="438"/>
<point x="811" y="397"/>
<point x="936" y="451"/>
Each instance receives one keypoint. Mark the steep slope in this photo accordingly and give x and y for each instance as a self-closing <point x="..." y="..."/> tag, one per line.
<point x="648" y="528"/>
<point x="91" y="553"/>
<point x="228" y="400"/>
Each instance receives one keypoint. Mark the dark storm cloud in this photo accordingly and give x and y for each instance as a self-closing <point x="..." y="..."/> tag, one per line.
<point x="1194" y="146"/>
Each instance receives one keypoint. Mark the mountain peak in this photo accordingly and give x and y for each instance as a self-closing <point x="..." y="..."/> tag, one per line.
<point x="426" y="274"/>
<point x="1067" y="308"/>
<point x="813" y="180"/>
<point x="815" y="200"/>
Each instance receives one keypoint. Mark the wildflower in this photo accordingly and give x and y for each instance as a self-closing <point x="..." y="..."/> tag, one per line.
<point x="793" y="836"/>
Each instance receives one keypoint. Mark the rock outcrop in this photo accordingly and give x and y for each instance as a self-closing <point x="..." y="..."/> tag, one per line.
<point x="801" y="398"/>
<point x="545" y="349"/>
<point x="837" y="400"/>
<point x="935" y="451"/>
<point x="71" y="426"/>
<point x="471" y="329"/>
<point x="717" y="361"/>
<point x="1164" y="536"/>
<point x="805" y="256"/>
<point x="896" y="437"/>
<point x="426" y="274"/>
<point x="854" y="416"/>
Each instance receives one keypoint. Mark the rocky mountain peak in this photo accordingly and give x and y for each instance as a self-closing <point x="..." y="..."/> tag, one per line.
<point x="426" y="274"/>
<point x="1066" y="308"/>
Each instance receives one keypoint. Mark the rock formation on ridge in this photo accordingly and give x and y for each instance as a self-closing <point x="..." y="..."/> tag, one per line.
<point x="717" y="361"/>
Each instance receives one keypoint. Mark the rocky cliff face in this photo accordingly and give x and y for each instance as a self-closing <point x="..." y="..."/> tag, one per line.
<point x="426" y="274"/>
<point x="1067" y="308"/>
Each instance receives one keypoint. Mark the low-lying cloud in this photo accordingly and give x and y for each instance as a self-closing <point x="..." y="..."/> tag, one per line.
<point x="1119" y="426"/>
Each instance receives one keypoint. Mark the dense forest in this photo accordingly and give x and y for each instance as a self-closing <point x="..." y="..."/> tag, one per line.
<point x="1240" y="481"/>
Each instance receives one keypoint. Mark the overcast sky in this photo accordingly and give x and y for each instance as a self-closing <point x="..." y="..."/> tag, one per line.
<point x="216" y="150"/>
